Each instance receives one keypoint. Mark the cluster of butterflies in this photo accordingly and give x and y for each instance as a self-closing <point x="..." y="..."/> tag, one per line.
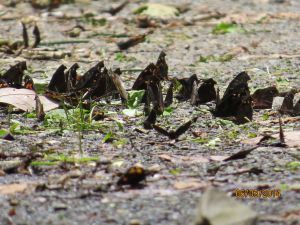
<point x="99" y="82"/>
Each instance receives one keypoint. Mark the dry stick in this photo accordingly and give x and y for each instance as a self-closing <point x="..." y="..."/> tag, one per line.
<point x="281" y="135"/>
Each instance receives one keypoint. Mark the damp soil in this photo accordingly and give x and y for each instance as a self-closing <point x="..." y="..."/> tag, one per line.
<point x="158" y="200"/>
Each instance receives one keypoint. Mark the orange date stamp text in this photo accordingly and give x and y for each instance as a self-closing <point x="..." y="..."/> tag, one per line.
<point x="252" y="193"/>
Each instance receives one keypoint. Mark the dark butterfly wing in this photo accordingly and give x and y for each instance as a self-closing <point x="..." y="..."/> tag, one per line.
<point x="72" y="76"/>
<point x="91" y="86"/>
<point x="169" y="97"/>
<point x="40" y="114"/>
<point x="187" y="87"/>
<point x="58" y="81"/>
<point x="296" y="109"/>
<point x="162" y="65"/>
<point x="161" y="130"/>
<point x="15" y="74"/>
<point x="54" y="4"/>
<point x="159" y="104"/>
<point x="149" y="98"/>
<point x="207" y="91"/>
<point x="25" y="36"/>
<point x="287" y="104"/>
<point x="101" y="90"/>
<point x="87" y="79"/>
<point x="3" y="83"/>
<point x="194" y="95"/>
<point x="263" y="98"/>
<point x="133" y="176"/>
<point x="28" y="83"/>
<point x="140" y="84"/>
<point x="131" y="42"/>
<point x="241" y="78"/>
<point x="119" y="84"/>
<point x="118" y="71"/>
<point x="37" y="36"/>
<point x="230" y="104"/>
<point x="218" y="100"/>
<point x="183" y="128"/>
<point x="150" y="121"/>
<point x="245" y="111"/>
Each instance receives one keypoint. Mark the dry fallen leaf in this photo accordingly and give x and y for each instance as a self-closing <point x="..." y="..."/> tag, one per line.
<point x="192" y="184"/>
<point x="13" y="188"/>
<point x="292" y="139"/>
<point x="12" y="212"/>
<point x="25" y="99"/>
<point x="191" y="159"/>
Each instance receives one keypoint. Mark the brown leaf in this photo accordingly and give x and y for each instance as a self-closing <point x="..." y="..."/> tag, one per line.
<point x="190" y="159"/>
<point x="237" y="50"/>
<point x="292" y="139"/>
<point x="192" y="184"/>
<point x="24" y="99"/>
<point x="12" y="212"/>
<point x="200" y="134"/>
<point x="13" y="188"/>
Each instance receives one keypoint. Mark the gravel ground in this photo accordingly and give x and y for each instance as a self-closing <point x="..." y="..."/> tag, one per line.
<point x="273" y="62"/>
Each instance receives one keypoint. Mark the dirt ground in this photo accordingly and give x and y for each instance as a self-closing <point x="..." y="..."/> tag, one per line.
<point x="271" y="35"/>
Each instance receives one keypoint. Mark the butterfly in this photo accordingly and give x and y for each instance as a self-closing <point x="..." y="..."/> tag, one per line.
<point x="187" y="87"/>
<point x="88" y="80"/>
<point x="245" y="110"/>
<point x="28" y="83"/>
<point x="132" y="42"/>
<point x="133" y="175"/>
<point x="58" y="81"/>
<point x="232" y="98"/>
<point x="71" y="76"/>
<point x="228" y="106"/>
<point x="149" y="98"/>
<point x="263" y="98"/>
<point x="205" y="93"/>
<point x="13" y="76"/>
<point x="241" y="78"/>
<point x="288" y="105"/>
<point x="158" y="102"/>
<point x="150" y="121"/>
<point x="175" y="134"/>
<point x="162" y="65"/>
<point x="118" y="83"/>
<point x="140" y="82"/>
<point x="169" y="97"/>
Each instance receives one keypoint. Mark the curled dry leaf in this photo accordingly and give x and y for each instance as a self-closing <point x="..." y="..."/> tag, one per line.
<point x="292" y="139"/>
<point x="13" y="188"/>
<point x="24" y="99"/>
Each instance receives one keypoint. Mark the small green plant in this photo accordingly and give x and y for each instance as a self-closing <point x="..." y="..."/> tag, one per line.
<point x="265" y="117"/>
<point x="223" y="28"/>
<point x="122" y="58"/>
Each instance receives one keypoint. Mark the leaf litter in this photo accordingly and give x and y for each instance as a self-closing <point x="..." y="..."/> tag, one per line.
<point x="227" y="136"/>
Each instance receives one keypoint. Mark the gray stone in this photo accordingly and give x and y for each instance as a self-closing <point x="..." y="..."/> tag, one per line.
<point x="216" y="208"/>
